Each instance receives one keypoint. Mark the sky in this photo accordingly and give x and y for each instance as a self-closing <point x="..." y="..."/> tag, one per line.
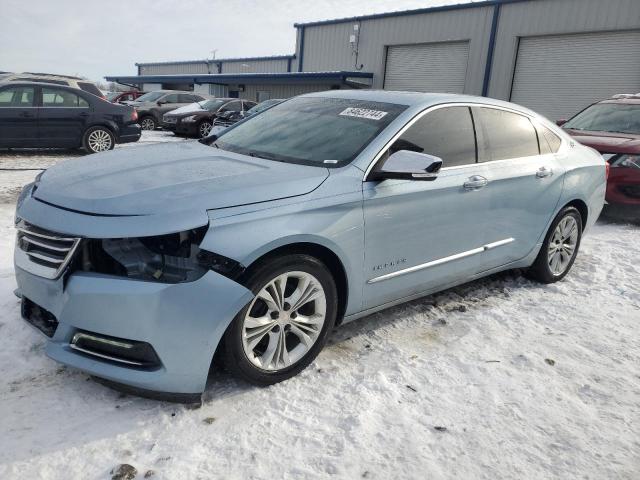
<point x="93" y="38"/>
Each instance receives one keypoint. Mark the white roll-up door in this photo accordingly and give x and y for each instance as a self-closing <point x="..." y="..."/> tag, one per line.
<point x="559" y="75"/>
<point x="432" y="67"/>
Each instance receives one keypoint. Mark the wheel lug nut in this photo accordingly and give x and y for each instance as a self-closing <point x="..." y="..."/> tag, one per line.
<point x="287" y="306"/>
<point x="293" y="315"/>
<point x="276" y="329"/>
<point x="274" y="315"/>
<point x="287" y="328"/>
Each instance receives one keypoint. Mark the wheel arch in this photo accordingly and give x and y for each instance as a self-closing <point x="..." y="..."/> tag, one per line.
<point x="323" y="253"/>
<point x="582" y="207"/>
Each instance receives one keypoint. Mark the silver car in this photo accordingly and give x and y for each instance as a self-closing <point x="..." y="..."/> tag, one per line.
<point x="139" y="265"/>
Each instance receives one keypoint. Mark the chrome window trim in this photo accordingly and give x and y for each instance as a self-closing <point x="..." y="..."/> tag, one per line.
<point x="432" y="108"/>
<point x="440" y="261"/>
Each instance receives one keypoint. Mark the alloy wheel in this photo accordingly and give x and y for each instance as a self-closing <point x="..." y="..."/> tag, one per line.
<point x="205" y="128"/>
<point x="147" y="124"/>
<point x="284" y="320"/>
<point x="562" y="245"/>
<point x="99" y="141"/>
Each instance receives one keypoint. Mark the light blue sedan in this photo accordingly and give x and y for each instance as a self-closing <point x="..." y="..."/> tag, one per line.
<point x="140" y="264"/>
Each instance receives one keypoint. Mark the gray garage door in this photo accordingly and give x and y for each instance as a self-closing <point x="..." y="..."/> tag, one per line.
<point x="559" y="75"/>
<point x="434" y="67"/>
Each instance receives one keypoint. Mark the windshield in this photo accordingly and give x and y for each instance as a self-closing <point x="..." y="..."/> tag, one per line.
<point x="263" y="106"/>
<point x="607" y="117"/>
<point x="150" y="97"/>
<point x="211" y="105"/>
<point x="311" y="130"/>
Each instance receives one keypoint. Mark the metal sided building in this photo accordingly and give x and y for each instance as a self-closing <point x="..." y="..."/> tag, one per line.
<point x="554" y="56"/>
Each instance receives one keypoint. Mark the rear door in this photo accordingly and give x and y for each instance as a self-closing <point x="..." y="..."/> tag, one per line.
<point x="524" y="181"/>
<point x="63" y="118"/>
<point x="18" y="117"/>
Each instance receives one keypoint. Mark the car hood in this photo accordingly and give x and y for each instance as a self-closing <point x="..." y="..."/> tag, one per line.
<point x="192" y="107"/>
<point x="606" y="142"/>
<point x="164" y="178"/>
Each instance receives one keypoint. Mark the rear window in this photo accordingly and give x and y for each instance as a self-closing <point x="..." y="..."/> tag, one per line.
<point x="91" y="88"/>
<point x="549" y="141"/>
<point x="52" y="97"/>
<point x="504" y="135"/>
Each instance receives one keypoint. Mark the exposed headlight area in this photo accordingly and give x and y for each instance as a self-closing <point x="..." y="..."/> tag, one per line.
<point x="189" y="119"/>
<point x="172" y="258"/>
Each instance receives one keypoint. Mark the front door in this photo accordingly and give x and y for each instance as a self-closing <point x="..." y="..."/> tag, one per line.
<point x="63" y="117"/>
<point x="18" y="117"/>
<point x="420" y="235"/>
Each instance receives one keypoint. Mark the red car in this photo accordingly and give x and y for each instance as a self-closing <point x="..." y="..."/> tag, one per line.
<point x="121" y="97"/>
<point x="612" y="127"/>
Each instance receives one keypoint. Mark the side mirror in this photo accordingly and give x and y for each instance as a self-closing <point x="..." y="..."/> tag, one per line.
<point x="160" y="103"/>
<point x="407" y="165"/>
<point x="561" y="122"/>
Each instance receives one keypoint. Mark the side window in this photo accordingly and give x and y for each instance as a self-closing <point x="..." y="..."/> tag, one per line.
<point x="185" y="98"/>
<point x="446" y="133"/>
<point x="16" y="97"/>
<point x="52" y="97"/>
<point x="248" y="105"/>
<point x="172" y="98"/>
<point x="549" y="141"/>
<point x="504" y="135"/>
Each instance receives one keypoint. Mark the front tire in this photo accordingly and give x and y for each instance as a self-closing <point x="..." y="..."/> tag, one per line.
<point x="204" y="128"/>
<point x="560" y="247"/>
<point x="98" y="139"/>
<point x="286" y="325"/>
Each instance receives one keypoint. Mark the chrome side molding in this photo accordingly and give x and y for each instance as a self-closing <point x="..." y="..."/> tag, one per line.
<point x="440" y="261"/>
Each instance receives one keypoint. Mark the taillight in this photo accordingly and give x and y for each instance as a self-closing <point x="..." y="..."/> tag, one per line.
<point x="134" y="117"/>
<point x="607" y="167"/>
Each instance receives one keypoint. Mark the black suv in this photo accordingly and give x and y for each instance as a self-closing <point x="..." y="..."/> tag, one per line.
<point x="36" y="115"/>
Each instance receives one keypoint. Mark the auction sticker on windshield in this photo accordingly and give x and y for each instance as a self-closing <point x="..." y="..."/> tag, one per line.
<point x="363" y="113"/>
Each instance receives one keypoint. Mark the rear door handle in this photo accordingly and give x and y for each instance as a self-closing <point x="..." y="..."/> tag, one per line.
<point x="544" y="172"/>
<point x="475" y="182"/>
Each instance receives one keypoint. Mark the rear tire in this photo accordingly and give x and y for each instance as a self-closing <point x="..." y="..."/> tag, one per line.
<point x="559" y="249"/>
<point x="98" y="139"/>
<point x="286" y="325"/>
<point x="148" y="123"/>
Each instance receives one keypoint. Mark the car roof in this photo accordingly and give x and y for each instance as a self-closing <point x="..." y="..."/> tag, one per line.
<point x="416" y="99"/>
<point x="40" y="84"/>
<point x="622" y="101"/>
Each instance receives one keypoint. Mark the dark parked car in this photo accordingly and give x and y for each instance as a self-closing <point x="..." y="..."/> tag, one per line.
<point x="612" y="127"/>
<point x="122" y="97"/>
<point x="153" y="105"/>
<point x="230" y="118"/>
<point x="198" y="121"/>
<point x="54" y="116"/>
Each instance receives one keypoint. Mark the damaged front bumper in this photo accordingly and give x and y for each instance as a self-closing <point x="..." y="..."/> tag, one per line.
<point x="153" y="336"/>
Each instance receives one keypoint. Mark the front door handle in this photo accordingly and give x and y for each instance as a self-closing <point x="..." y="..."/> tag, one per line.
<point x="475" y="182"/>
<point x="544" y="172"/>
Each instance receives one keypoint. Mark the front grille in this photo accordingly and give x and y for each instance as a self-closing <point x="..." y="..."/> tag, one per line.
<point x="42" y="252"/>
<point x="223" y="122"/>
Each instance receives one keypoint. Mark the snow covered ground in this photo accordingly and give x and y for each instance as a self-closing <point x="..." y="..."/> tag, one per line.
<point x="499" y="378"/>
